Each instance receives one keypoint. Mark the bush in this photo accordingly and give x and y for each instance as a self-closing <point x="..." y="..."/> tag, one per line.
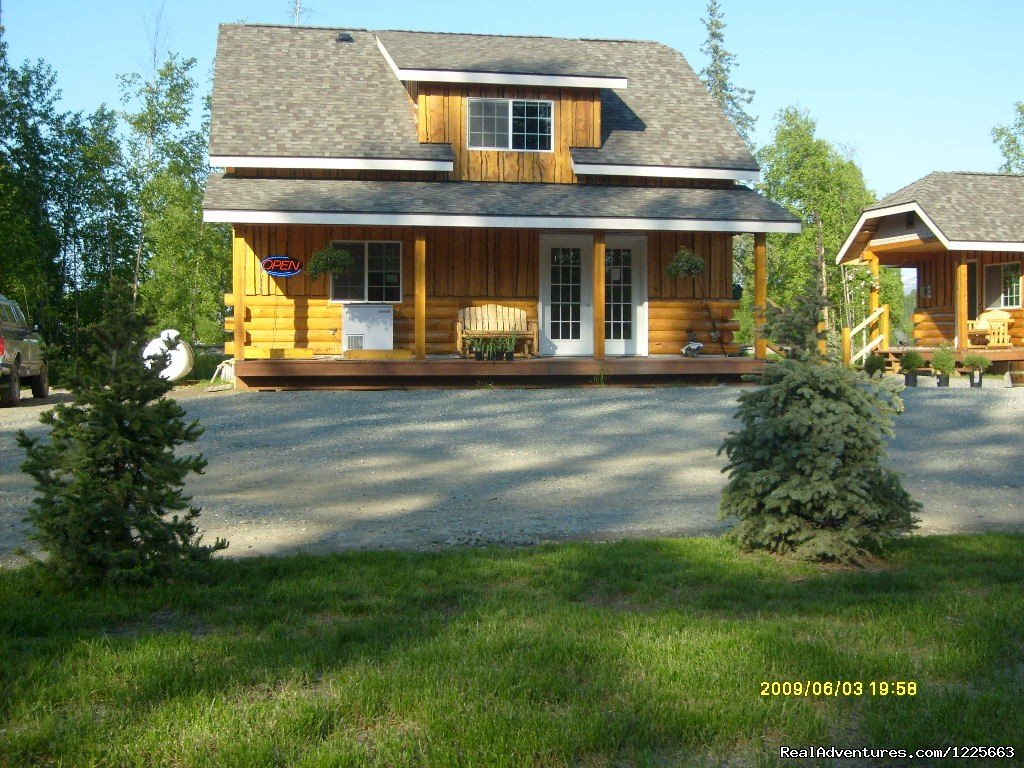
<point x="108" y="483"/>
<point x="944" y="360"/>
<point x="805" y="476"/>
<point x="977" y="362"/>
<point x="911" y="361"/>
<point x="874" y="364"/>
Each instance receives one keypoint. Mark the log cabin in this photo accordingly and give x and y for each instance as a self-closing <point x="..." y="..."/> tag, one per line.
<point x="963" y="234"/>
<point x="554" y="176"/>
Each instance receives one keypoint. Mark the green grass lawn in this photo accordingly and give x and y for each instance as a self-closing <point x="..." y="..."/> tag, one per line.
<point x="631" y="654"/>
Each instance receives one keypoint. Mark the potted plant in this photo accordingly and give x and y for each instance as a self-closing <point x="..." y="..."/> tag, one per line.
<point x="909" y="363"/>
<point x="330" y="259"/>
<point x="944" y="364"/>
<point x="476" y="347"/>
<point x="508" y="346"/>
<point x="977" y="364"/>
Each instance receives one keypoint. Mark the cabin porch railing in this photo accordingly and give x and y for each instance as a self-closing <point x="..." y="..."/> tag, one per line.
<point x="878" y="323"/>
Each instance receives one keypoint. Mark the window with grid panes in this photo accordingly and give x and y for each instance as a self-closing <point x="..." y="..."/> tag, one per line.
<point x="1002" y="286"/>
<point x="376" y="273"/>
<point x="517" y="124"/>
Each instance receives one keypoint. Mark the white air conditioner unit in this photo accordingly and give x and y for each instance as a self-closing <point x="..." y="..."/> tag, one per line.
<point x="367" y="326"/>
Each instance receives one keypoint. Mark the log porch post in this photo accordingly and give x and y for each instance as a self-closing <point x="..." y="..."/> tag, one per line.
<point x="960" y="305"/>
<point x="420" y="302"/>
<point x="760" y="293"/>
<point x="873" y="298"/>
<point x="239" y="251"/>
<point x="599" y="265"/>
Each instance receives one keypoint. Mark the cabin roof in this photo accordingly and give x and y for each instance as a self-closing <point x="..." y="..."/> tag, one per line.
<point x="483" y="204"/>
<point x="984" y="207"/>
<point x="299" y="92"/>
<point x="958" y="211"/>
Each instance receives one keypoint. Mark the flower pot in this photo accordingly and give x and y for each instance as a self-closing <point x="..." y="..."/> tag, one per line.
<point x="510" y="356"/>
<point x="910" y="379"/>
<point x="976" y="377"/>
<point x="942" y="380"/>
<point x="478" y="354"/>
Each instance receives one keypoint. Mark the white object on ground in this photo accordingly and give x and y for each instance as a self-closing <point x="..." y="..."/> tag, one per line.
<point x="179" y="354"/>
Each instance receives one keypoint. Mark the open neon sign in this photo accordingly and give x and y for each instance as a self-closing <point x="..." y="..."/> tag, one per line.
<point x="281" y="266"/>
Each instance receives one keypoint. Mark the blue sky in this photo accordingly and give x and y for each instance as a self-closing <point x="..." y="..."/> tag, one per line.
<point x="908" y="87"/>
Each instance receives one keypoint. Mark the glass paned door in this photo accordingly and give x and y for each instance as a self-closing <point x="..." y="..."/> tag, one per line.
<point x="618" y="299"/>
<point x="566" y="264"/>
<point x="625" y="299"/>
<point x="567" y="308"/>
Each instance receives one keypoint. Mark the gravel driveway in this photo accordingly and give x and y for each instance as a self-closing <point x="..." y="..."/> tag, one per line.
<point x="323" y="471"/>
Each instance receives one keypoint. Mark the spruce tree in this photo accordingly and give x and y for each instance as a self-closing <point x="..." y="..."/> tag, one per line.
<point x="110" y="503"/>
<point x="805" y="471"/>
<point x="717" y="75"/>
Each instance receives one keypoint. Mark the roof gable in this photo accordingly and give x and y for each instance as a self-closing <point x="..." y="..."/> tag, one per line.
<point x="296" y="92"/>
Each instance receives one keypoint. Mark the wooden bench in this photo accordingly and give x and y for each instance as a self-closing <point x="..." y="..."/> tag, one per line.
<point x="993" y="326"/>
<point x="492" y="321"/>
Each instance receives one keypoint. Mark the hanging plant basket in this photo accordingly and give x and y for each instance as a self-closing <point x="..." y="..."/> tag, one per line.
<point x="330" y="259"/>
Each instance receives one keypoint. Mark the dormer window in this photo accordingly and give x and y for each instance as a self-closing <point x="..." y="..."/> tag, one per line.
<point x="516" y="124"/>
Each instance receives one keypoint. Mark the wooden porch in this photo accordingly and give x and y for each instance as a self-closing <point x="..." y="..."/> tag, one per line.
<point x="338" y="373"/>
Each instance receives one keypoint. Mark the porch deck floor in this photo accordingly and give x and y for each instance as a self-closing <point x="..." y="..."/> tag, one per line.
<point x="333" y="373"/>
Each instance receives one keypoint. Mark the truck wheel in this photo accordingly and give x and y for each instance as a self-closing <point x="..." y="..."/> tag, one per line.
<point x="11" y="396"/>
<point x="41" y="383"/>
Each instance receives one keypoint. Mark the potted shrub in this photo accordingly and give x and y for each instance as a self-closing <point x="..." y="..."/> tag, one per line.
<point x="508" y="346"/>
<point x="977" y="364"/>
<point x="874" y="364"/>
<point x="476" y="347"/>
<point x="944" y="364"/>
<point x="909" y="363"/>
<point x="329" y="259"/>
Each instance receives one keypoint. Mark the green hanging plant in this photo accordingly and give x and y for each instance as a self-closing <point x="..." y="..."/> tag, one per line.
<point x="330" y="259"/>
<point x="685" y="263"/>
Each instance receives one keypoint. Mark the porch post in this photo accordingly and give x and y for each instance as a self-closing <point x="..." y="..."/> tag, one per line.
<point x="239" y="251"/>
<point x="760" y="293"/>
<point x="599" y="262"/>
<point x="420" y="303"/>
<point x="960" y="306"/>
<point x="873" y="302"/>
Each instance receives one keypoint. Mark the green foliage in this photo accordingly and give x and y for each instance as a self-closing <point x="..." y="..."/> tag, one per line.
<point x="1010" y="140"/>
<point x="825" y="188"/>
<point x="685" y="263"/>
<point x="717" y="75"/>
<point x="110" y="504"/>
<point x="944" y="360"/>
<point x="874" y="364"/>
<point x="911" y="360"/>
<point x="795" y="328"/>
<point x="330" y="259"/>
<point x="805" y="473"/>
<point x="977" y="362"/>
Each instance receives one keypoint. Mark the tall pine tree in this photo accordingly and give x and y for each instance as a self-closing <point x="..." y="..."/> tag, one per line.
<point x="717" y="75"/>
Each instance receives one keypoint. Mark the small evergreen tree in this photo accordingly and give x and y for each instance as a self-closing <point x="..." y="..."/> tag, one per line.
<point x="805" y="473"/>
<point x="110" y="504"/>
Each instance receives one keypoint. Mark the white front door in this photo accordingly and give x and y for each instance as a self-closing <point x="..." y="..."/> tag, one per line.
<point x="566" y="295"/>
<point x="625" y="295"/>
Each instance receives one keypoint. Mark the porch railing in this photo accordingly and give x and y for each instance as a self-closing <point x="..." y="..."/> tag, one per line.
<point x="878" y="322"/>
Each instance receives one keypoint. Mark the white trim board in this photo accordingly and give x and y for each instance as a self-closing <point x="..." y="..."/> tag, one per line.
<point x="504" y="222"/>
<point x="664" y="171"/>
<point x="330" y="163"/>
<point x="949" y="245"/>
<point x="499" y="78"/>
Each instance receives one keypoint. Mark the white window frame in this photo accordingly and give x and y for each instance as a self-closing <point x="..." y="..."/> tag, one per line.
<point x="366" y="273"/>
<point x="998" y="294"/>
<point x="509" y="102"/>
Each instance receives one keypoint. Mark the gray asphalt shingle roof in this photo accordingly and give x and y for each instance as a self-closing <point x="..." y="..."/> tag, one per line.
<point x="490" y="199"/>
<point x="296" y="92"/>
<point x="971" y="207"/>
